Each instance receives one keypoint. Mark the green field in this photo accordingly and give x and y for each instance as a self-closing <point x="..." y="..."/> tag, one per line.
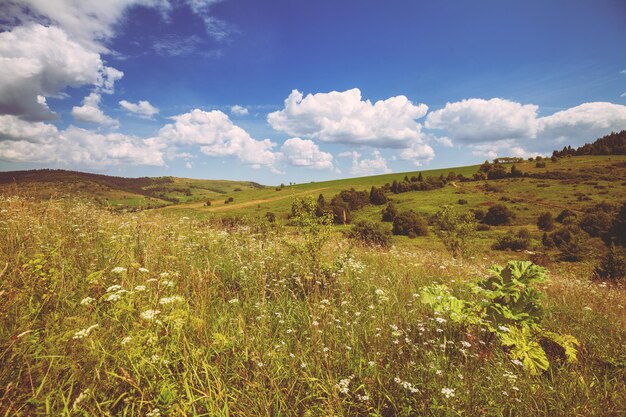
<point x="174" y="311"/>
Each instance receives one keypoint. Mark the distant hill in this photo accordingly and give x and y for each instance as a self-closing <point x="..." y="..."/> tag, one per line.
<point x="611" y="144"/>
<point x="119" y="191"/>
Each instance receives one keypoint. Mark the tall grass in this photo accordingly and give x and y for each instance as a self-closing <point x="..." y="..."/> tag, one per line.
<point x="137" y="314"/>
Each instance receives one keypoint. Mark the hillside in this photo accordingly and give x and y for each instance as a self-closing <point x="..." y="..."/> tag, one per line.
<point x="120" y="192"/>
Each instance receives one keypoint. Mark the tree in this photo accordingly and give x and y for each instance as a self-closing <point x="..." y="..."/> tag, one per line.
<point x="377" y="196"/>
<point x="498" y="215"/>
<point x="545" y="222"/>
<point x="371" y="234"/>
<point x="390" y="212"/>
<point x="455" y="230"/>
<point x="410" y="224"/>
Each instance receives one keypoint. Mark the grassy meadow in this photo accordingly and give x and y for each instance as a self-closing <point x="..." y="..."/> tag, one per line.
<point x="172" y="311"/>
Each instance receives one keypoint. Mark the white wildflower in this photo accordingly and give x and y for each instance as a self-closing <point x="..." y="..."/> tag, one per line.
<point x="140" y="288"/>
<point x="167" y="283"/>
<point x="114" y="288"/>
<point x="233" y="301"/>
<point x="114" y="297"/>
<point x="149" y="314"/>
<point x="504" y="329"/>
<point x="126" y="340"/>
<point x="170" y="300"/>
<point x="87" y="300"/>
<point x="154" y="413"/>
<point x="84" y="332"/>
<point x="447" y="392"/>
<point x="81" y="397"/>
<point x="143" y="270"/>
<point x="118" y="270"/>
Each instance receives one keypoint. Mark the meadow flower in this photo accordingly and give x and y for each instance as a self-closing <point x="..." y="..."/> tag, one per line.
<point x="84" y="332"/>
<point x="149" y="314"/>
<point x="87" y="300"/>
<point x="167" y="283"/>
<point x="447" y="392"/>
<point x="114" y="297"/>
<point x="126" y="340"/>
<point x="81" y="397"/>
<point x="140" y="288"/>
<point x="504" y="329"/>
<point x="154" y="413"/>
<point x="343" y="385"/>
<point x="118" y="270"/>
<point x="233" y="301"/>
<point x="114" y="288"/>
<point x="170" y="300"/>
<point x="517" y="362"/>
<point x="143" y="270"/>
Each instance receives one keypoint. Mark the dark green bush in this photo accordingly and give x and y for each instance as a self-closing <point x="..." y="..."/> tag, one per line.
<point x="390" y="212"/>
<point x="612" y="267"/>
<point x="545" y="222"/>
<point x="519" y="241"/>
<point x="371" y="234"/>
<point x="410" y="224"/>
<point x="498" y="215"/>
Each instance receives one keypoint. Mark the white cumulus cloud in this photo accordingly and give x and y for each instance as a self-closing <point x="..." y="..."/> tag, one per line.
<point x="418" y="154"/>
<point x="90" y="112"/>
<point x="142" y="109"/>
<point x="305" y="153"/>
<point x="377" y="164"/>
<point x="23" y="141"/>
<point x="215" y="134"/>
<point x="477" y="120"/>
<point x="583" y="123"/>
<point x="344" y="117"/>
<point x="239" y="110"/>
<point x="38" y="62"/>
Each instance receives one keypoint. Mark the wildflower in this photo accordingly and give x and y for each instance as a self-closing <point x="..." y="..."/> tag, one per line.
<point x="140" y="288"/>
<point x="114" y="297"/>
<point x="315" y="323"/>
<point x="447" y="392"/>
<point x="84" y="332"/>
<point x="81" y="397"/>
<point x="504" y="329"/>
<point x="440" y="320"/>
<point x="363" y="398"/>
<point x="143" y="270"/>
<point x="466" y="344"/>
<point x="126" y="340"/>
<point x="167" y="283"/>
<point x="114" y="288"/>
<point x="303" y="365"/>
<point x="517" y="362"/>
<point x="118" y="270"/>
<point x="149" y="314"/>
<point x="87" y="300"/>
<point x="371" y="363"/>
<point x="170" y="300"/>
<point x="343" y="385"/>
<point x="154" y="413"/>
<point x="233" y="301"/>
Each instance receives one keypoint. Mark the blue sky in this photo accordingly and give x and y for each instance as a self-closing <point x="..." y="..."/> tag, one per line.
<point x="282" y="91"/>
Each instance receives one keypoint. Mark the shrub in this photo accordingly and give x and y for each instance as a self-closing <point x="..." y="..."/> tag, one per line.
<point x="371" y="234"/>
<point x="540" y="164"/>
<point x="498" y="215"/>
<point x="410" y="224"/>
<point x="455" y="230"/>
<point x="566" y="217"/>
<point x="208" y="203"/>
<point x="545" y="222"/>
<point x="479" y="214"/>
<point x="377" y="196"/>
<point x="617" y="233"/>
<point x="462" y="201"/>
<point x="612" y="267"/>
<point x="481" y="227"/>
<point x="271" y="217"/>
<point x="520" y="241"/>
<point x="390" y="212"/>
<point x="596" y="224"/>
<point x="572" y="243"/>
